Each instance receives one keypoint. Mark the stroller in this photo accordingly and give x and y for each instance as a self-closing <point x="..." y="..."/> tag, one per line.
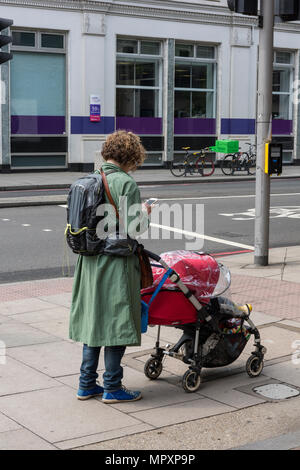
<point x="188" y="293"/>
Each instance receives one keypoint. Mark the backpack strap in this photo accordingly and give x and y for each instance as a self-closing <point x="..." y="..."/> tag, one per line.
<point x="108" y="193"/>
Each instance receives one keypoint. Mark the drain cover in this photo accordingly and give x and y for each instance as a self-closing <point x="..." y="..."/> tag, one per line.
<point x="276" y="391"/>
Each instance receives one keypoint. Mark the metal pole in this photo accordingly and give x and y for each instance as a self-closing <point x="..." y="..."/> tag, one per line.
<point x="264" y="120"/>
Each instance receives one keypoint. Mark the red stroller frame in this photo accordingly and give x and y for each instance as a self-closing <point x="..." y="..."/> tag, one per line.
<point x="193" y="337"/>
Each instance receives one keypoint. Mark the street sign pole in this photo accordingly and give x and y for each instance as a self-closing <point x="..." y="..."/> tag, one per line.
<point x="264" y="123"/>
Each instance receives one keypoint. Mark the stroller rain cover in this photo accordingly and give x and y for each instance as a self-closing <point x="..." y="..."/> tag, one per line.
<point x="199" y="272"/>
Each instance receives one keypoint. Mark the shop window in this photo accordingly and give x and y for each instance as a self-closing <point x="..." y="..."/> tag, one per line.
<point x="195" y="88"/>
<point x="138" y="80"/>
<point x="38" y="100"/>
<point x="283" y="72"/>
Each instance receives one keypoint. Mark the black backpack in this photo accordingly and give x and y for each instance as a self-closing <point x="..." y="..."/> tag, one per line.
<point x="85" y="196"/>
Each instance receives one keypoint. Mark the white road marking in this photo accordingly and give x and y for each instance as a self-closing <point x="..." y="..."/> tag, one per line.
<point x="202" y="236"/>
<point x="26" y="225"/>
<point x="196" y="198"/>
<point x="5" y="220"/>
<point x="223" y="197"/>
<point x="47" y="230"/>
<point x="291" y="212"/>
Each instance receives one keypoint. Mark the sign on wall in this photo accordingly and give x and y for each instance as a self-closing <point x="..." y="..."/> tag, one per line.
<point x="95" y="108"/>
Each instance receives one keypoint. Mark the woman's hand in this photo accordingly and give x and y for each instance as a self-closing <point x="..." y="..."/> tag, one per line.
<point x="147" y="207"/>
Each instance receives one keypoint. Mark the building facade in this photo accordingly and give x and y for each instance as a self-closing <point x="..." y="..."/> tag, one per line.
<point x="177" y="73"/>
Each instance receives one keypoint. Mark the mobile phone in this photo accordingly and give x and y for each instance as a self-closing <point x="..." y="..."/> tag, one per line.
<point x="152" y="201"/>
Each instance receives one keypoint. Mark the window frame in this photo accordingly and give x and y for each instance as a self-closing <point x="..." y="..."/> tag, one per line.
<point x="291" y="68"/>
<point x="47" y="50"/>
<point x="38" y="41"/>
<point x="199" y="61"/>
<point x="142" y="58"/>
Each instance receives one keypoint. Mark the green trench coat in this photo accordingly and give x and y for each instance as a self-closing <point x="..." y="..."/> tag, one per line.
<point x="106" y="302"/>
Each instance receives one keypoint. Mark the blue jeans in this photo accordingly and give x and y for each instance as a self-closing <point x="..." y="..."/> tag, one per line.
<point x="112" y="377"/>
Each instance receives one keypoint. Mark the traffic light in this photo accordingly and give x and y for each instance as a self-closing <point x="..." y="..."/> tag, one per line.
<point x="287" y="10"/>
<point x="4" y="40"/>
<point x="245" y="7"/>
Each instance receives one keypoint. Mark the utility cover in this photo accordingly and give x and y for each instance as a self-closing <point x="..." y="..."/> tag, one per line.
<point x="276" y="391"/>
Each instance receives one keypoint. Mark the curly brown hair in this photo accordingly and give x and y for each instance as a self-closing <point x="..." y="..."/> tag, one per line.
<point x="125" y="148"/>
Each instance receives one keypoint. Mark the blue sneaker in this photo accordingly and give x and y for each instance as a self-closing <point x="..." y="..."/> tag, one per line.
<point x="93" y="392"/>
<point x="122" y="395"/>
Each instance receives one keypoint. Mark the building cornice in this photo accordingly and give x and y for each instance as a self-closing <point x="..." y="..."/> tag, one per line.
<point x="167" y="10"/>
<point x="158" y="10"/>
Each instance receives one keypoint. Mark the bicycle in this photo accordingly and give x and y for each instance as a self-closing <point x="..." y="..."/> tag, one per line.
<point x="202" y="165"/>
<point x="240" y="161"/>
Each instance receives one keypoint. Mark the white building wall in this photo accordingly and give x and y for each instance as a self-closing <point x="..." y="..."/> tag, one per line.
<point x="91" y="52"/>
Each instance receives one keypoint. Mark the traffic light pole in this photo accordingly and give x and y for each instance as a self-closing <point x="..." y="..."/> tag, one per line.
<point x="264" y="123"/>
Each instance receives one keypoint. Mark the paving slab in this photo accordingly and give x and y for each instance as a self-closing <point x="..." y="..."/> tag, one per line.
<point x="17" y="378"/>
<point x="260" y="318"/>
<point x="104" y="436"/>
<point x="53" y="359"/>
<point x="287" y="372"/>
<point x="72" y="381"/>
<point x="290" y="277"/>
<point x="290" y="324"/>
<point x="18" y="334"/>
<point x="54" y="313"/>
<point x="58" y="328"/>
<point x="63" y="299"/>
<point x="224" y="390"/>
<point x="5" y="318"/>
<point x="7" y="424"/>
<point x="181" y="412"/>
<point x="278" y="341"/>
<point x="23" y="439"/>
<point x="56" y="415"/>
<point x="156" y="393"/>
<point x="23" y="305"/>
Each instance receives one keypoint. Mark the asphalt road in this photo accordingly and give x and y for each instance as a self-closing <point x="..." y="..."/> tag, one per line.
<point x="32" y="238"/>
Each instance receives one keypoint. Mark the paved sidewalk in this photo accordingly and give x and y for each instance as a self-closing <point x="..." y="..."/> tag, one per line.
<point x="59" y="179"/>
<point x="38" y="382"/>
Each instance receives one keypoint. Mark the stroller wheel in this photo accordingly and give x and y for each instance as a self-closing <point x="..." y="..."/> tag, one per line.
<point x="254" y="366"/>
<point x="191" y="381"/>
<point x="153" y="368"/>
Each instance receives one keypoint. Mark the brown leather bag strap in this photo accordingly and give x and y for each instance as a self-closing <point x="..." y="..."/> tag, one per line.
<point x="108" y="193"/>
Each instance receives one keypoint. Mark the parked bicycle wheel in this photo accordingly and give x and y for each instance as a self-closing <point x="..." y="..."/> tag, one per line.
<point x="205" y="166"/>
<point x="251" y="165"/>
<point x="227" y="164"/>
<point x="177" y="168"/>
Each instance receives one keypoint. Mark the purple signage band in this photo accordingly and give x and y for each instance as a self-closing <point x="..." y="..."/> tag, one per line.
<point x="248" y="126"/>
<point x="38" y="124"/>
<point x="56" y="125"/>
<point x="238" y="126"/>
<point x="83" y="125"/>
<point x="140" y="125"/>
<point x="282" y="127"/>
<point x="196" y="126"/>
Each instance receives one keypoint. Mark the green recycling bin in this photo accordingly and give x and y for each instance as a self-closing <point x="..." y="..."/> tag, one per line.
<point x="226" y="146"/>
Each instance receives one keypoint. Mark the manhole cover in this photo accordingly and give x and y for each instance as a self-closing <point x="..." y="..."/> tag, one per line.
<point x="276" y="391"/>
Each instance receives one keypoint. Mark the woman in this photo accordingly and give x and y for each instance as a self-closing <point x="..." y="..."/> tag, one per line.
<point x="106" y="308"/>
